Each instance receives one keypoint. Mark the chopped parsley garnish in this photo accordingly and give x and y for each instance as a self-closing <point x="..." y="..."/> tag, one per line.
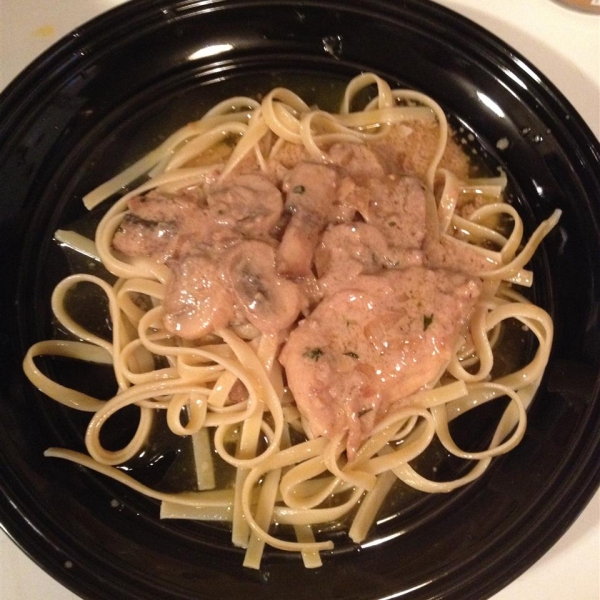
<point x="427" y="321"/>
<point x="299" y="189"/>
<point x="351" y="354"/>
<point x="314" y="353"/>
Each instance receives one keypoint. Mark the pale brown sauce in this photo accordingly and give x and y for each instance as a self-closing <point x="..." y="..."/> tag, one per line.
<point x="287" y="249"/>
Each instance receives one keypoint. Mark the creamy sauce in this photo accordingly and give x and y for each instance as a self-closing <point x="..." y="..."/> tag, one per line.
<point x="334" y="259"/>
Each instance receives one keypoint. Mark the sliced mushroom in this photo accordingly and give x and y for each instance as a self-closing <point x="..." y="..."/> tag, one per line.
<point x="270" y="302"/>
<point x="311" y="192"/>
<point x="197" y="302"/>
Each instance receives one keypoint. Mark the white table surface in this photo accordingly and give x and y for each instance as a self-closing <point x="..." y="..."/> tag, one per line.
<point x="562" y="43"/>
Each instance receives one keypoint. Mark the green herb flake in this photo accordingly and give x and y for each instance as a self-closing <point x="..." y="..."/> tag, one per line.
<point x="314" y="354"/>
<point x="351" y="355"/>
<point x="427" y="321"/>
<point x="299" y="189"/>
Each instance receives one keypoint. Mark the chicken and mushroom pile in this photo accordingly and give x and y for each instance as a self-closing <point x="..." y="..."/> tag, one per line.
<point x="334" y="258"/>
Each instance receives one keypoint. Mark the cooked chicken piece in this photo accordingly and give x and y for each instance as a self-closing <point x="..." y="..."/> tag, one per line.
<point x="397" y="207"/>
<point x="368" y="347"/>
<point x="351" y="249"/>
<point x="250" y="204"/>
<point x="360" y="161"/>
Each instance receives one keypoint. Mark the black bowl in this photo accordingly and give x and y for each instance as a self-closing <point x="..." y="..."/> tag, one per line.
<point x="109" y="92"/>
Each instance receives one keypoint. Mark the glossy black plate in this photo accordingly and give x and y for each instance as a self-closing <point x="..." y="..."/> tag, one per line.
<point x="104" y="95"/>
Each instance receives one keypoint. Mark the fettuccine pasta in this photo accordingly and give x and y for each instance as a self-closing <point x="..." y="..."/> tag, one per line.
<point x="263" y="224"/>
